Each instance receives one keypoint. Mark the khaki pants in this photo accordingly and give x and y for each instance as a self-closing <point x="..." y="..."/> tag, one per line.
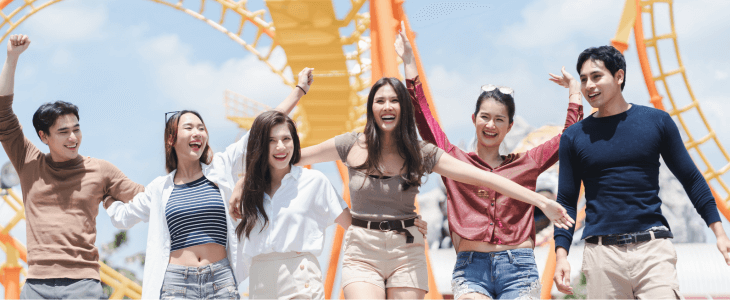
<point x="644" y="270"/>
<point x="289" y="275"/>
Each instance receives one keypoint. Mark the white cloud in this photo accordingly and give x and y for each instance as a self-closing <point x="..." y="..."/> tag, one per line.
<point x="199" y="85"/>
<point x="63" y="59"/>
<point x="702" y="20"/>
<point x="554" y="22"/>
<point x="69" y="21"/>
<point x="720" y="75"/>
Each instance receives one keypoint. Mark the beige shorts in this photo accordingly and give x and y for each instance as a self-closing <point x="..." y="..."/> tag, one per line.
<point x="645" y="270"/>
<point x="384" y="259"/>
<point x="289" y="275"/>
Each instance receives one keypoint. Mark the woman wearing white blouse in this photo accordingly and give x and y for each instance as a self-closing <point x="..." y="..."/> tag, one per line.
<point x="192" y="251"/>
<point x="286" y="210"/>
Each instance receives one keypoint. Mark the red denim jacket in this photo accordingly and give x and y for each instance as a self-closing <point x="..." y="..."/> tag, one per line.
<point x="479" y="213"/>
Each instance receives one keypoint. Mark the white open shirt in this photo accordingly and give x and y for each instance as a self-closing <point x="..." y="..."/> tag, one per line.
<point x="302" y="208"/>
<point x="149" y="206"/>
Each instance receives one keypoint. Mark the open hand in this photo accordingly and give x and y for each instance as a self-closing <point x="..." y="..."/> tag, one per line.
<point x="306" y="78"/>
<point x="566" y="81"/>
<point x="17" y="43"/>
<point x="557" y="214"/>
<point x="402" y="45"/>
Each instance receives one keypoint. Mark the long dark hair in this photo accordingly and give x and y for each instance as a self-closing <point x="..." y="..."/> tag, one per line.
<point x="258" y="175"/>
<point x="405" y="136"/>
<point x="171" y="137"/>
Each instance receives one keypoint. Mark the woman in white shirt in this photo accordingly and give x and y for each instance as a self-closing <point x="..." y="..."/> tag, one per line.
<point x="192" y="250"/>
<point x="286" y="210"/>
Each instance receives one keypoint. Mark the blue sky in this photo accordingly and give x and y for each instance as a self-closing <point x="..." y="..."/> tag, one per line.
<point x="127" y="62"/>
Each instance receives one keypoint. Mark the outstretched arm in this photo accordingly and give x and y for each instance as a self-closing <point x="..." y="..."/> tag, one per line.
<point x="460" y="171"/>
<point x="322" y="152"/>
<point x="303" y="83"/>
<point x="17" y="43"/>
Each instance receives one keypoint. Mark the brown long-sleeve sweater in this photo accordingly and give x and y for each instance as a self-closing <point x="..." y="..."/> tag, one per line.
<point x="61" y="202"/>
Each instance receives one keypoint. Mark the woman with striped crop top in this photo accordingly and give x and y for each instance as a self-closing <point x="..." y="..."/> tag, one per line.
<point x="192" y="249"/>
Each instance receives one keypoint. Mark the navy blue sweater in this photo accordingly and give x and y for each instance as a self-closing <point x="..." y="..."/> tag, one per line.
<point x="617" y="158"/>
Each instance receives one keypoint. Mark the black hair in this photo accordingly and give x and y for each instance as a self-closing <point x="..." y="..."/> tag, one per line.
<point x="48" y="113"/>
<point x="506" y="99"/>
<point x="612" y="59"/>
<point x="171" y="127"/>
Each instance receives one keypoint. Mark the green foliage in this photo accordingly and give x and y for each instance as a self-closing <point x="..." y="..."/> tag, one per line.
<point x="107" y="250"/>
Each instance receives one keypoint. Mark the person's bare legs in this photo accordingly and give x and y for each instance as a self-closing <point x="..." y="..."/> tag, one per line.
<point x="364" y="290"/>
<point x="405" y="293"/>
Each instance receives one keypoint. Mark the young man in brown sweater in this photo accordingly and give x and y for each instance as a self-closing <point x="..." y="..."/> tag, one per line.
<point x="61" y="193"/>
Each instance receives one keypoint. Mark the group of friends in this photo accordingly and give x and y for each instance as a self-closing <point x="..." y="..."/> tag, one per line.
<point x="210" y="230"/>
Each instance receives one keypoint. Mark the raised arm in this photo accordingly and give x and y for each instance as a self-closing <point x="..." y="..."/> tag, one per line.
<point x="428" y="127"/>
<point x="546" y="154"/>
<point x="304" y="81"/>
<point x="460" y="171"/>
<point x="17" y="43"/>
<point x="18" y="148"/>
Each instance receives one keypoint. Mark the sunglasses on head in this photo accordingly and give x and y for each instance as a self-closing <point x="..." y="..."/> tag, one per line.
<point x="171" y="113"/>
<point x="502" y="89"/>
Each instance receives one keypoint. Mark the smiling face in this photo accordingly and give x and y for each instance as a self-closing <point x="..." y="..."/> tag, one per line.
<point x="491" y="123"/>
<point x="191" y="138"/>
<point x="598" y="85"/>
<point x="386" y="108"/>
<point x="64" y="138"/>
<point x="281" y="147"/>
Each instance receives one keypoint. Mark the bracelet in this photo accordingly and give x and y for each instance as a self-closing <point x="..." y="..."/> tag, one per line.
<point x="301" y="88"/>
<point x="571" y="94"/>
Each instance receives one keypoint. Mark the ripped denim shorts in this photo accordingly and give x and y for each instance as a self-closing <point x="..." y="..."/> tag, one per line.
<point x="510" y="274"/>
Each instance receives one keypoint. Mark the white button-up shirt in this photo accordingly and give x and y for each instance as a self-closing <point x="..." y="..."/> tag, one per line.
<point x="302" y="208"/>
<point x="149" y="206"/>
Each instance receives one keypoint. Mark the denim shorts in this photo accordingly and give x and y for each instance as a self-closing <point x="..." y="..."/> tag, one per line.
<point x="510" y="274"/>
<point x="62" y="288"/>
<point x="213" y="281"/>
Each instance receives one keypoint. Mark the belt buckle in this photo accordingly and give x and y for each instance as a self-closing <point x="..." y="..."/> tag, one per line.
<point x="625" y="239"/>
<point x="380" y="225"/>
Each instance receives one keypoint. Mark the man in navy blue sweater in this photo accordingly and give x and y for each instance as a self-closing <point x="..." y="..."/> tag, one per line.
<point x="615" y="152"/>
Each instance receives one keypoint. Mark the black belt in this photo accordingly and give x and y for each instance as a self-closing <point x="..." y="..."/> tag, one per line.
<point x="631" y="238"/>
<point x="394" y="225"/>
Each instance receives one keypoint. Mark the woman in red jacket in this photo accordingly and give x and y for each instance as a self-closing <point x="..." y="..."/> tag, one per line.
<point x="493" y="234"/>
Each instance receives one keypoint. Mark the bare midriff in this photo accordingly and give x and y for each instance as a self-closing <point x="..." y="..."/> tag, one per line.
<point x="462" y="245"/>
<point x="198" y="256"/>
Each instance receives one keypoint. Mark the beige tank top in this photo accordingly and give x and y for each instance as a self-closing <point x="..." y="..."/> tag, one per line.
<point x="378" y="199"/>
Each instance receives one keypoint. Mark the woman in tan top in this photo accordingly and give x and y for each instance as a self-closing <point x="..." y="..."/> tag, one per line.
<point x="385" y="165"/>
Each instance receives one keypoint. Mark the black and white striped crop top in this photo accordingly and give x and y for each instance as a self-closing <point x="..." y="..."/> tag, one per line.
<point x="196" y="215"/>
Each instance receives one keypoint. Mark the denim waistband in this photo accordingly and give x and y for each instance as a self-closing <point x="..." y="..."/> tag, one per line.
<point x="484" y="255"/>
<point x="207" y="269"/>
